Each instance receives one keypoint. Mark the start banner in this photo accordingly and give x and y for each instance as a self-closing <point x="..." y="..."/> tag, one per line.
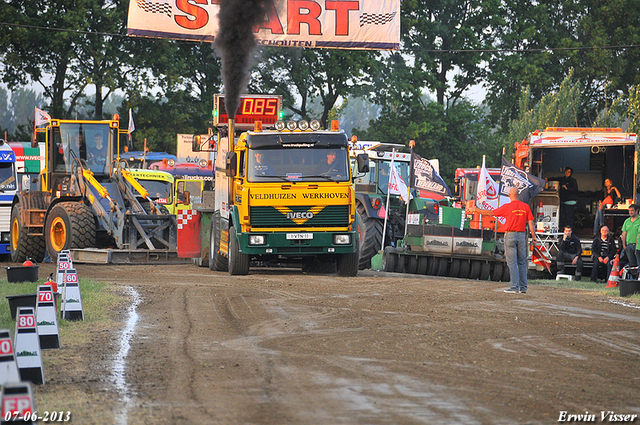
<point x="350" y="24"/>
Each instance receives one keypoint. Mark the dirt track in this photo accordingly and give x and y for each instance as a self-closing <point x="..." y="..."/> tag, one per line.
<point x="281" y="347"/>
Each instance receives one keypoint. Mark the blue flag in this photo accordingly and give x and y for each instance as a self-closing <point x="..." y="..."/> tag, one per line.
<point x="511" y="176"/>
<point x="425" y="177"/>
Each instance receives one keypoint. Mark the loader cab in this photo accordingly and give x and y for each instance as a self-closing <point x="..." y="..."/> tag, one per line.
<point x="74" y="143"/>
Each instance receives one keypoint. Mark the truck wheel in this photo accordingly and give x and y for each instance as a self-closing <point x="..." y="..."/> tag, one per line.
<point x="454" y="270"/>
<point x="238" y="262"/>
<point x="70" y="225"/>
<point x="370" y="238"/>
<point x="423" y="264"/>
<point x="389" y="260"/>
<point x="217" y="262"/>
<point x="486" y="271"/>
<point x="506" y="273"/>
<point x="23" y="246"/>
<point x="476" y="267"/>
<point x="496" y="273"/>
<point x="465" y="267"/>
<point x="348" y="263"/>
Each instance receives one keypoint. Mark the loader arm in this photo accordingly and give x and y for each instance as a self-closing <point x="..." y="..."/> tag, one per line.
<point x="86" y="179"/>
<point x="140" y="189"/>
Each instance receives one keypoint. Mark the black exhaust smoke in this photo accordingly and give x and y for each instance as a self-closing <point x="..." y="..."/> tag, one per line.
<point x="236" y="43"/>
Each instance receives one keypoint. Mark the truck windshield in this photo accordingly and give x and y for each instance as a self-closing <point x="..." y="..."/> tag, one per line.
<point x="382" y="171"/>
<point x="83" y="141"/>
<point x="7" y="176"/>
<point x="295" y="164"/>
<point x="159" y="191"/>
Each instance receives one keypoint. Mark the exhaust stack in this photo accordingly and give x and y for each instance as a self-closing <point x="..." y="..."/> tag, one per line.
<point x="232" y="133"/>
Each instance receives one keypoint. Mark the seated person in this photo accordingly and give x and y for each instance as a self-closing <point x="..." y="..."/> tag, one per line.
<point x="332" y="167"/>
<point x="611" y="196"/>
<point x="96" y="157"/>
<point x="603" y="251"/>
<point x="259" y="167"/>
<point x="569" y="249"/>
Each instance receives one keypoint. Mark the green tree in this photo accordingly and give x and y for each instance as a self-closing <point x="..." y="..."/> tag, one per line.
<point x="302" y="75"/>
<point x="35" y="55"/>
<point x="559" y="109"/>
<point x="435" y="32"/>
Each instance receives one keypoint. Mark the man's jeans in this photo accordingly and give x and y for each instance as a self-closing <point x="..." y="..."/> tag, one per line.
<point x="565" y="256"/>
<point x="632" y="254"/>
<point x="515" y="246"/>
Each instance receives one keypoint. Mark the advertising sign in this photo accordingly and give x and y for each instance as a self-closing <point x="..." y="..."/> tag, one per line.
<point x="352" y="24"/>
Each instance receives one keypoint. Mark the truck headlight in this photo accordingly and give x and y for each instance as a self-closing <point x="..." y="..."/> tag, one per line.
<point x="257" y="239"/>
<point x="6" y="236"/>
<point x="341" y="239"/>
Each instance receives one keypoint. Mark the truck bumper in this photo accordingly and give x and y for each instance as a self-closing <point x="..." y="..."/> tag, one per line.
<point x="278" y="244"/>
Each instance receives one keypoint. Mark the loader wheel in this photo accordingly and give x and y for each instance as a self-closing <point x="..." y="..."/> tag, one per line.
<point x="217" y="262"/>
<point x="370" y="238"/>
<point x="70" y="225"/>
<point x="23" y="245"/>
<point x="496" y="273"/>
<point x="238" y="262"/>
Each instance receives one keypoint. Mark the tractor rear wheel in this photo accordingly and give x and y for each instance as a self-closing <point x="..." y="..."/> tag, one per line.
<point x="370" y="237"/>
<point x="22" y="245"/>
<point x="217" y="262"/>
<point x="69" y="225"/>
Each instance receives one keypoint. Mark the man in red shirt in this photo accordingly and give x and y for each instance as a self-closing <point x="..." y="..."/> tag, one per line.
<point x="517" y="215"/>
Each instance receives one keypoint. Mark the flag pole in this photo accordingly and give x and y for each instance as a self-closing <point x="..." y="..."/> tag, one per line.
<point x="412" y="143"/>
<point x="495" y="227"/>
<point x="386" y="209"/>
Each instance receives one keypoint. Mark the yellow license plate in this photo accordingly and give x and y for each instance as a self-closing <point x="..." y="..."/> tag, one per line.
<point x="586" y="253"/>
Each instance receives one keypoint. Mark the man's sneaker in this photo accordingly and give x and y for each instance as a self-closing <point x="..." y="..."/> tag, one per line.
<point x="511" y="291"/>
<point x="523" y="291"/>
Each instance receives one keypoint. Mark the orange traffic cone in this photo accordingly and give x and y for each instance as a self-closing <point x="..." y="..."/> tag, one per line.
<point x="614" y="276"/>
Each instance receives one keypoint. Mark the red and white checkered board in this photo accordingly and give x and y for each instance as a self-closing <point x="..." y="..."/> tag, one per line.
<point x="183" y="217"/>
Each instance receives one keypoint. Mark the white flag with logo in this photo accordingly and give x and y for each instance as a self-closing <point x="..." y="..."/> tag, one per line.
<point x="397" y="186"/>
<point x="487" y="192"/>
<point x="132" y="126"/>
<point x="42" y="117"/>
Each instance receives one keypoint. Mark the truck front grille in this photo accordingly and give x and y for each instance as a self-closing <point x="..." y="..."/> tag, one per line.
<point x="329" y="216"/>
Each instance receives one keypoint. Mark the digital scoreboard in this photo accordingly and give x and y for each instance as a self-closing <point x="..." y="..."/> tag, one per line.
<point x="264" y="108"/>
